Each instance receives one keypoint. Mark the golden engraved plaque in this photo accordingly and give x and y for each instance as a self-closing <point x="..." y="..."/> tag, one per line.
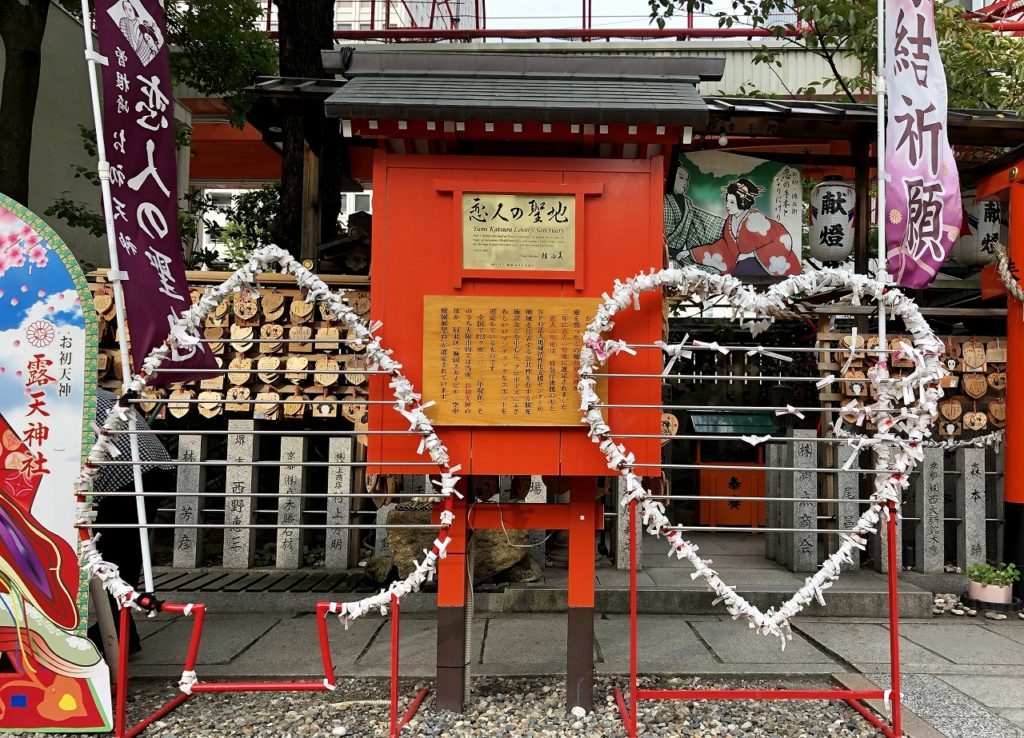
<point x="521" y="232"/>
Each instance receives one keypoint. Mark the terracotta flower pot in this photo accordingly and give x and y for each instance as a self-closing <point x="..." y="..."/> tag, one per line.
<point x="990" y="593"/>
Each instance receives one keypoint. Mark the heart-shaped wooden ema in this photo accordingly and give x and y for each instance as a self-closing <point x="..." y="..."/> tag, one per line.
<point x="907" y="426"/>
<point x="246" y="307"/>
<point x="210" y="403"/>
<point x="296" y="367"/>
<point x="242" y="367"/>
<point x="267" y="368"/>
<point x="975" y="420"/>
<point x="997" y="381"/>
<point x="104" y="302"/>
<point x="327" y="339"/>
<point x="355" y="369"/>
<point x="669" y="426"/>
<point x="973" y="354"/>
<point x="267" y="406"/>
<point x="273" y="305"/>
<point x="238" y="400"/>
<point x="298" y="335"/>
<point x="300" y="311"/>
<point x="975" y="384"/>
<point x="271" y="332"/>
<point x="951" y="409"/>
<point x="216" y="382"/>
<point x="241" y="338"/>
<point x="997" y="413"/>
<point x="297" y="408"/>
<point x="180" y="409"/>
<point x="326" y="371"/>
<point x="325" y="406"/>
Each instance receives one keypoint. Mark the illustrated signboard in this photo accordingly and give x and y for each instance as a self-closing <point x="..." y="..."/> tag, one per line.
<point x="734" y="214"/>
<point x="52" y="678"/>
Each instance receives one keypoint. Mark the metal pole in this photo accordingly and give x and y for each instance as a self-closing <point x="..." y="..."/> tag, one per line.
<point x="115" y="276"/>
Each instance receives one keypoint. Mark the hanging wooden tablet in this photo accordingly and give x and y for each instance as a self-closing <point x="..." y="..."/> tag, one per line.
<point x="211" y="403"/>
<point x="246" y="308"/>
<point x="267" y="368"/>
<point x="972" y="353"/>
<point x="855" y="383"/>
<point x="325" y="406"/>
<point x="242" y="367"/>
<point x="326" y="371"/>
<point x="327" y="339"/>
<point x="147" y="401"/>
<point x="975" y="420"/>
<point x="215" y="382"/>
<point x="270" y="333"/>
<point x="219" y="315"/>
<point x="241" y="338"/>
<point x="296" y="409"/>
<point x="361" y="303"/>
<point x="297" y="336"/>
<point x="950" y="381"/>
<point x="951" y="356"/>
<point x="267" y="406"/>
<point x="296" y="367"/>
<point x="899" y="357"/>
<point x="353" y="411"/>
<point x="353" y="342"/>
<point x="995" y="352"/>
<point x="325" y="312"/>
<point x="669" y="426"/>
<point x="997" y="381"/>
<point x="851" y="416"/>
<point x="102" y="364"/>
<point x="238" y="400"/>
<point x="355" y="369"/>
<point x="104" y="302"/>
<point x="273" y="306"/>
<point x="851" y="342"/>
<point x="213" y="334"/>
<point x="300" y="311"/>
<point x="951" y="409"/>
<point x="975" y="384"/>
<point x="997" y="413"/>
<point x="949" y="428"/>
<point x="180" y="409"/>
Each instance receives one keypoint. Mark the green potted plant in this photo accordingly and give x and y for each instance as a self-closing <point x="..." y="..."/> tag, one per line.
<point x="987" y="583"/>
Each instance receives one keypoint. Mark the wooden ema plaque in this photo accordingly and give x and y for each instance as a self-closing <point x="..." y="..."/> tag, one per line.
<point x="504" y="360"/>
<point x="426" y="256"/>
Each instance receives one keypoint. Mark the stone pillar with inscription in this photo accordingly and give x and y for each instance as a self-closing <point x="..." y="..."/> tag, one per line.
<point x="188" y="506"/>
<point x="970" y="505"/>
<point x="803" y="546"/>
<point x="290" y="503"/>
<point x="240" y="483"/>
<point x="879" y="543"/>
<point x="339" y="502"/>
<point x="848" y="509"/>
<point x="929" y="509"/>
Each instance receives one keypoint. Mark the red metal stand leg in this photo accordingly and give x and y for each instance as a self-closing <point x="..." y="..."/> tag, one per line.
<point x="633" y="685"/>
<point x="395" y="727"/>
<point x="122" y="672"/>
<point x="325" y="643"/>
<point x="894" y="624"/>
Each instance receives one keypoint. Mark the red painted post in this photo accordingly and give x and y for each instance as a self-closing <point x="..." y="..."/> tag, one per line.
<point x="894" y="621"/>
<point x="1013" y="474"/>
<point x="122" y="672"/>
<point x="395" y="727"/>
<point x="633" y="686"/>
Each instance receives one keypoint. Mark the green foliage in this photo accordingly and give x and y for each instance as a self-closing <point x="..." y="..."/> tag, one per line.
<point x="983" y="69"/>
<point x="248" y="222"/>
<point x="219" y="49"/>
<point x="998" y="576"/>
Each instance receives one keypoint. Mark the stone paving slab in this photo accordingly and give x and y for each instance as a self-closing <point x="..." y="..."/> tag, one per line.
<point x="734" y="643"/>
<point x="224" y="637"/>
<point x="759" y="578"/>
<point x="417" y="643"/>
<point x="615" y="578"/>
<point x="949" y="710"/>
<point x="662" y="643"/>
<point x="999" y="692"/>
<point x="527" y="642"/>
<point x="292" y="646"/>
<point x="1014" y="716"/>
<point x="860" y="643"/>
<point x="966" y="644"/>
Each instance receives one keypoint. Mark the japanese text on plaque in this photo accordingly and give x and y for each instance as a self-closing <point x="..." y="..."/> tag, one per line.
<point x="503" y="360"/>
<point x="536" y="232"/>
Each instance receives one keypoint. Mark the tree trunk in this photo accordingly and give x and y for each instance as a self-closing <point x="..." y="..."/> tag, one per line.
<point x="305" y="28"/>
<point x="21" y="28"/>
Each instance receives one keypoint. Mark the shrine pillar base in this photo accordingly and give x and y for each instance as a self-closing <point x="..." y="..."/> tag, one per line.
<point x="1013" y="479"/>
<point x="450" y="688"/>
<point x="579" y="667"/>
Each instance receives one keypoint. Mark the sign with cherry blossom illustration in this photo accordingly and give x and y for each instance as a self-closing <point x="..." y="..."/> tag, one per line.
<point x="47" y="349"/>
<point x="138" y="121"/>
<point x="923" y="212"/>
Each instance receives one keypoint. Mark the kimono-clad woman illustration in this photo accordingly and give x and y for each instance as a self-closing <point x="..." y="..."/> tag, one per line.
<point x="752" y="244"/>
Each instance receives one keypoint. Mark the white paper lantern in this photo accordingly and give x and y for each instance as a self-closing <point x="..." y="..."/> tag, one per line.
<point x="976" y="245"/>
<point x="832" y="218"/>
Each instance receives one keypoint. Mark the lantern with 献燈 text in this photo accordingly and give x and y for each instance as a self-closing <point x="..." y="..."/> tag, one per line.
<point x="979" y="233"/>
<point x="832" y="218"/>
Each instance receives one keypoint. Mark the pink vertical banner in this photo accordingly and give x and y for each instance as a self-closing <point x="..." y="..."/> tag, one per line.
<point x="923" y="211"/>
<point x="138" y="122"/>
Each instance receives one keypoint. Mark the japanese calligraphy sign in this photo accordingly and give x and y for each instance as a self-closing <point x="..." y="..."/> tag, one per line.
<point x="503" y="360"/>
<point x="982" y="230"/>
<point x="47" y="349"/>
<point x="923" y="211"/>
<point x="528" y="232"/>
<point x="139" y="132"/>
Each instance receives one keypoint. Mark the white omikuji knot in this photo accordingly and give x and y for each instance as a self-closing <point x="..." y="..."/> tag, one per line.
<point x="183" y="334"/>
<point x="903" y="430"/>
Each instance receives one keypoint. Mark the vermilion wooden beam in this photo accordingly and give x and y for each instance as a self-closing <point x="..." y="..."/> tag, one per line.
<point x="527" y="515"/>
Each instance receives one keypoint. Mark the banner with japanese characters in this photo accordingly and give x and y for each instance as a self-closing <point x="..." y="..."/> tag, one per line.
<point x="138" y="122"/>
<point x="56" y="679"/>
<point x="923" y="212"/>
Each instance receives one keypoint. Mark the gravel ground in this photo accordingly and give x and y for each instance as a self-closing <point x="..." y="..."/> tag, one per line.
<point x="523" y="707"/>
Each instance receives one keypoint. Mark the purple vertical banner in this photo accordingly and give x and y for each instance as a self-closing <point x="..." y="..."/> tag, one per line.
<point x="138" y="122"/>
<point x="923" y="211"/>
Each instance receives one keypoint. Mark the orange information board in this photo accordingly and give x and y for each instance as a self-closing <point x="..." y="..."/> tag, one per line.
<point x="607" y="212"/>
